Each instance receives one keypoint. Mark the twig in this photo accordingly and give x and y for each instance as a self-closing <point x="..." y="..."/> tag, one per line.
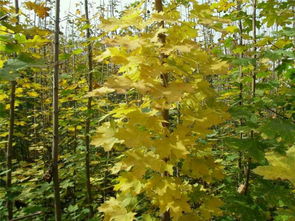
<point x="27" y="216"/>
<point x="280" y="115"/>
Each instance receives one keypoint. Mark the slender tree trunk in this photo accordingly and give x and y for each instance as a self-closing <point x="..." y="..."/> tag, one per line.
<point x="9" y="150"/>
<point x="10" y="136"/>
<point x="55" y="143"/>
<point x="241" y="87"/>
<point x="253" y="88"/>
<point x="165" y="112"/>
<point x="254" y="27"/>
<point x="89" y="106"/>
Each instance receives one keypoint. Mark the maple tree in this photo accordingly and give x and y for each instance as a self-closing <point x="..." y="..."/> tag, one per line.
<point x="163" y="110"/>
<point x="160" y="152"/>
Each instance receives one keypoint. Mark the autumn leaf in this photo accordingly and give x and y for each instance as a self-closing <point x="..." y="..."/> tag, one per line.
<point x="40" y="9"/>
<point x="105" y="137"/>
<point x="280" y="166"/>
<point x="211" y="207"/>
<point x="33" y="94"/>
<point x="100" y="91"/>
<point x="114" y="210"/>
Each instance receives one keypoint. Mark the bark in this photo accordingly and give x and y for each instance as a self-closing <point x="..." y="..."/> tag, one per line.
<point x="9" y="156"/>
<point x="55" y="143"/>
<point x="165" y="113"/>
<point x="241" y="87"/>
<point x="89" y="107"/>
<point x="254" y="26"/>
<point x="253" y="89"/>
<point x="9" y="150"/>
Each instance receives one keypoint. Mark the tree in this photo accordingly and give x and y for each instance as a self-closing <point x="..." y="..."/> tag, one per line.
<point x="193" y="104"/>
<point x="10" y="136"/>
<point x="161" y="154"/>
<point x="55" y="125"/>
<point x="89" y="109"/>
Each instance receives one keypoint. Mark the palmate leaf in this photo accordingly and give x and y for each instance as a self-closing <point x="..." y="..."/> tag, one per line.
<point x="105" y="137"/>
<point x="280" y="166"/>
<point x="40" y="9"/>
<point x="281" y="130"/>
<point x="252" y="147"/>
<point x="9" y="71"/>
<point x="130" y="18"/>
<point x="114" y="210"/>
<point x="11" y="68"/>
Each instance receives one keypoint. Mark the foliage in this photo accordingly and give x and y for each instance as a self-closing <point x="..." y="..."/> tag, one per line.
<point x="177" y="126"/>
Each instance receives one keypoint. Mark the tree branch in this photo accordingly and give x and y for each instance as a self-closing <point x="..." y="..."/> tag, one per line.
<point x="27" y="216"/>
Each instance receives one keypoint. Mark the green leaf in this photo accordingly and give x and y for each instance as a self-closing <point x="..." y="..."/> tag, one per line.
<point x="252" y="147"/>
<point x="239" y="112"/>
<point x="4" y="172"/>
<point x="77" y="51"/>
<point x="11" y="68"/>
<point x="73" y="208"/>
<point x="9" y="71"/>
<point x="278" y="129"/>
<point x="64" y="56"/>
<point x="243" y="61"/>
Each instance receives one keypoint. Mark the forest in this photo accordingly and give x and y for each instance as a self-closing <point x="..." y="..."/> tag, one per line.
<point x="149" y="110"/>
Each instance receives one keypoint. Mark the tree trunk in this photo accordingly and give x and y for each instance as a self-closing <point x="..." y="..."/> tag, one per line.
<point x="253" y="89"/>
<point x="165" y="112"/>
<point x="254" y="26"/>
<point x="55" y="143"/>
<point x="9" y="150"/>
<point x="9" y="204"/>
<point x="241" y="87"/>
<point x="89" y="106"/>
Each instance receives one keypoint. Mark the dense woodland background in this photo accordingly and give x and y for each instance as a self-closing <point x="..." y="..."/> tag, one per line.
<point x="166" y="110"/>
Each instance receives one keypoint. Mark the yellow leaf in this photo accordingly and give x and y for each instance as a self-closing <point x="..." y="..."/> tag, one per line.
<point x="105" y="137"/>
<point x="230" y="94"/>
<point x="211" y="207"/>
<point x="2" y="63"/>
<point x="219" y="67"/>
<point x="232" y="29"/>
<point x="131" y="17"/>
<point x="100" y="91"/>
<point x="71" y="129"/>
<point x="132" y="136"/>
<point x="179" y="150"/>
<point x="122" y="110"/>
<point x="140" y="161"/>
<point x="33" y="94"/>
<point x="280" y="166"/>
<point x="169" y="193"/>
<point x="167" y="16"/>
<point x="19" y="91"/>
<point x="4" y="134"/>
<point x="173" y="93"/>
<point x="94" y="162"/>
<point x="21" y="123"/>
<point x="114" y="210"/>
<point x="190" y="217"/>
<point x="282" y="43"/>
<point x="129" y="42"/>
<point x="128" y="182"/>
<point x="222" y="5"/>
<point x="3" y="96"/>
<point x="40" y="9"/>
